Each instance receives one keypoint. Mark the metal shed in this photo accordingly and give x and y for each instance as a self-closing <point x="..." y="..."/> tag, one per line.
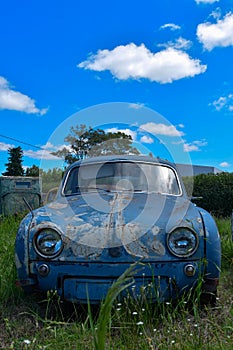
<point x="13" y="191"/>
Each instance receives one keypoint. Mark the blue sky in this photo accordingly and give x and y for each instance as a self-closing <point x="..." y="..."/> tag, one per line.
<point x="159" y="70"/>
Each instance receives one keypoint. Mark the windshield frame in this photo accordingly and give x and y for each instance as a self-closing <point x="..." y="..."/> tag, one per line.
<point x="172" y="168"/>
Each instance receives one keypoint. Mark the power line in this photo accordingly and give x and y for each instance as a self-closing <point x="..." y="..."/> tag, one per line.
<point x="24" y="143"/>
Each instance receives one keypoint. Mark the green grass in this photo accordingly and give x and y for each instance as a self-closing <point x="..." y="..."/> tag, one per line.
<point x="30" y="323"/>
<point x="8" y="228"/>
<point x="224" y="226"/>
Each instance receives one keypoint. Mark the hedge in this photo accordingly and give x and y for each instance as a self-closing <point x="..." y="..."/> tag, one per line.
<point x="216" y="192"/>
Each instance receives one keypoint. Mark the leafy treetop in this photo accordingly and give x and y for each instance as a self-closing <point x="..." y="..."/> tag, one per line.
<point x="34" y="170"/>
<point x="88" y="142"/>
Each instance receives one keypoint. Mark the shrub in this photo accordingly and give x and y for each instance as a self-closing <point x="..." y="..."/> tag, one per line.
<point x="216" y="192"/>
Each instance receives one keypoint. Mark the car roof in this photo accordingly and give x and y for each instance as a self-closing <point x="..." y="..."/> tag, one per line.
<point x="124" y="157"/>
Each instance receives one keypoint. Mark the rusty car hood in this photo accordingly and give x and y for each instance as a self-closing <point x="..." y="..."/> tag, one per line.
<point x="139" y="222"/>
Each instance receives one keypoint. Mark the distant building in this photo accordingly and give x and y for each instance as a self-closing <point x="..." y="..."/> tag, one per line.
<point x="192" y="170"/>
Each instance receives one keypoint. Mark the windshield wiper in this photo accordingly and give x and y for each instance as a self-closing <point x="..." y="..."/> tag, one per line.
<point x="96" y="188"/>
<point x="86" y="189"/>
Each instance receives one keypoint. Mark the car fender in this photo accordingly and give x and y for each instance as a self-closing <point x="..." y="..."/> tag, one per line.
<point x="21" y="252"/>
<point x="212" y="245"/>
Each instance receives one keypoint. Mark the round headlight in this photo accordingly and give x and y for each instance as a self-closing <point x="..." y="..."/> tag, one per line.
<point x="48" y="243"/>
<point x="182" y="242"/>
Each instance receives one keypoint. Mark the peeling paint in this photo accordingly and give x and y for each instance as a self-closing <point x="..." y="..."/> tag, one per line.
<point x="155" y="230"/>
<point x="137" y="249"/>
<point x="44" y="213"/>
<point x="158" y="248"/>
<point x="57" y="205"/>
<point x="202" y="232"/>
<point x="81" y="214"/>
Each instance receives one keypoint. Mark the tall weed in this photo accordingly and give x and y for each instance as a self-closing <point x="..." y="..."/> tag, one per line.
<point x="8" y="229"/>
<point x="224" y="227"/>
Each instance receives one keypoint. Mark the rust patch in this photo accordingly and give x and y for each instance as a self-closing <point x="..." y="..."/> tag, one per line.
<point x="158" y="247"/>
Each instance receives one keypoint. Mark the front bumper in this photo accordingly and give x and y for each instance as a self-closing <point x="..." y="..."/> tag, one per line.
<point x="80" y="282"/>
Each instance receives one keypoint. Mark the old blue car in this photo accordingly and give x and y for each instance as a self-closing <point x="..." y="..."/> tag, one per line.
<point x="109" y="213"/>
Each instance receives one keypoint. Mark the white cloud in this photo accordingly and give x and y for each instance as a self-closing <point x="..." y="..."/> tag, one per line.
<point x="40" y="154"/>
<point x="217" y="13"/>
<point x="44" y="153"/>
<point x="146" y="139"/>
<point x="179" y="44"/>
<point x="170" y="26"/>
<point x="200" y="143"/>
<point x="194" y="146"/>
<point x="224" y="164"/>
<point x="136" y="105"/>
<point x="50" y="146"/>
<point x="5" y="146"/>
<point x="223" y="103"/>
<point x="54" y="148"/>
<point x="136" y="62"/>
<point x="220" y="103"/>
<point x="181" y="125"/>
<point x="14" y="100"/>
<point x="206" y="1"/>
<point x="189" y="147"/>
<point x="219" y="34"/>
<point x="161" y="129"/>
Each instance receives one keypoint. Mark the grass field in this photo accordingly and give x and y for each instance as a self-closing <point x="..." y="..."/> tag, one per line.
<point x="30" y="323"/>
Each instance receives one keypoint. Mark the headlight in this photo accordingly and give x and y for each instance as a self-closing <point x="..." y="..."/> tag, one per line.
<point x="182" y="242"/>
<point x="48" y="243"/>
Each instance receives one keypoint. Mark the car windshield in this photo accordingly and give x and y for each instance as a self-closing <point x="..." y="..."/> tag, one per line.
<point x="122" y="176"/>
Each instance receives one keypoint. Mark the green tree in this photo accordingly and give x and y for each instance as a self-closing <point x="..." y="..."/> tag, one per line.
<point x="88" y="142"/>
<point x="33" y="171"/>
<point x="14" y="166"/>
<point x="51" y="178"/>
